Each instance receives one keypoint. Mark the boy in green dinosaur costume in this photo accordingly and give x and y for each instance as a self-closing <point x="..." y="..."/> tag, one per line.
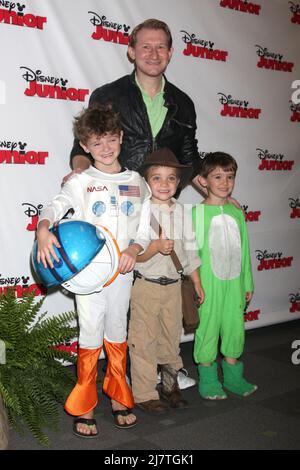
<point x="226" y="275"/>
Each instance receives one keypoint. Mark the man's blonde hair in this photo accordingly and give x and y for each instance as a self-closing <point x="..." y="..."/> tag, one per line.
<point x="151" y="23"/>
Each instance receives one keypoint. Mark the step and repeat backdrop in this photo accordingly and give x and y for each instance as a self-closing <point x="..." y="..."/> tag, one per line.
<point x="240" y="63"/>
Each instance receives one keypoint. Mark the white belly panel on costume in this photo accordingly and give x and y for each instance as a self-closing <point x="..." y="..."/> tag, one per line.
<point x="225" y="247"/>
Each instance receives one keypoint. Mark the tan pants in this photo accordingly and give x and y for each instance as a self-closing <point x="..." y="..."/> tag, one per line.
<point x="154" y="334"/>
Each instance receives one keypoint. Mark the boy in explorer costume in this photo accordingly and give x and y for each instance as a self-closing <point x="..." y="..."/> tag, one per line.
<point x="155" y="325"/>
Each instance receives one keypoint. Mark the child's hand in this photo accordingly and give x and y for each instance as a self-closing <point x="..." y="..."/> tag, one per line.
<point x="46" y="240"/>
<point x="248" y="296"/>
<point x="128" y="258"/>
<point x="198" y="285"/>
<point x="200" y="292"/>
<point x="165" y="246"/>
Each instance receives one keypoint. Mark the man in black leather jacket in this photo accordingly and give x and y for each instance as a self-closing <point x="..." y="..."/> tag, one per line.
<point x="154" y="112"/>
<point x="170" y="123"/>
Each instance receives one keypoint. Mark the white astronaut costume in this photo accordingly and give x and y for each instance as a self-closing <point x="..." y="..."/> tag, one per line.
<point x="120" y="202"/>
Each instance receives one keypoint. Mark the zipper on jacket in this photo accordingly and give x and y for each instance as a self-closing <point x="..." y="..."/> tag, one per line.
<point x="183" y="124"/>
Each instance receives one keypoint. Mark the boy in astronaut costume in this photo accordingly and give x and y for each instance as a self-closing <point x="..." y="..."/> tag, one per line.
<point x="226" y="276"/>
<point x="119" y="199"/>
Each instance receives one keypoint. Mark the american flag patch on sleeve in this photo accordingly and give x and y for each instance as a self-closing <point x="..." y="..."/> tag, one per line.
<point x="128" y="190"/>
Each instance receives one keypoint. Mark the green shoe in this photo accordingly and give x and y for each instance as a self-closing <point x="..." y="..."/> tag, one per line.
<point x="234" y="380"/>
<point x="209" y="386"/>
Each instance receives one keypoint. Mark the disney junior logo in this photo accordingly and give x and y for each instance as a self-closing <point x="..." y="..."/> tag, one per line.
<point x="252" y="315"/>
<point x="20" y="285"/>
<point x="295" y="206"/>
<point x="272" y="260"/>
<point x="295" y="108"/>
<point x="237" y="108"/>
<point x="19" y="18"/>
<point x="47" y="86"/>
<point x="273" y="161"/>
<point x="109" y="31"/>
<point x="68" y="346"/>
<point x="295" y="9"/>
<point x="295" y="302"/>
<point x="272" y="60"/>
<point x="201" y="48"/>
<point x="32" y="212"/>
<point x="251" y="216"/>
<point x="16" y="153"/>
<point x="245" y="7"/>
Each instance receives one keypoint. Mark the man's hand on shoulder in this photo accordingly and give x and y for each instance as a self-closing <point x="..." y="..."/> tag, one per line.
<point x="234" y="202"/>
<point x="196" y="184"/>
<point x="71" y="174"/>
<point x="80" y="163"/>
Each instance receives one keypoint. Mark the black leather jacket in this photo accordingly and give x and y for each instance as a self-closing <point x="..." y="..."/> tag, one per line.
<point x="177" y="132"/>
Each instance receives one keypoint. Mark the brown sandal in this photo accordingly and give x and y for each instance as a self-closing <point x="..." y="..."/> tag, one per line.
<point x="117" y="413"/>
<point x="88" y="422"/>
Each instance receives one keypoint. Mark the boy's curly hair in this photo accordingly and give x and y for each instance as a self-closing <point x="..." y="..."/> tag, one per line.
<point x="214" y="159"/>
<point x="97" y="119"/>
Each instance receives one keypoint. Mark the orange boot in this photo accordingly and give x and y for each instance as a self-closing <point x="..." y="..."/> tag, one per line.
<point x="115" y="385"/>
<point x="83" y="397"/>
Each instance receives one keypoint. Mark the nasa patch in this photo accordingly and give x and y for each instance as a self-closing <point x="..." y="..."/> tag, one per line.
<point x="127" y="208"/>
<point x="99" y="208"/>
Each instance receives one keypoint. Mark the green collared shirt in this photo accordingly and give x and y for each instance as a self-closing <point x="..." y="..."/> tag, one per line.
<point x="155" y="107"/>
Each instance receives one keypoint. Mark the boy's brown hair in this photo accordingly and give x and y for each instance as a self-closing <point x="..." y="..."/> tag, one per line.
<point x="214" y="159"/>
<point x="151" y="23"/>
<point x="97" y="119"/>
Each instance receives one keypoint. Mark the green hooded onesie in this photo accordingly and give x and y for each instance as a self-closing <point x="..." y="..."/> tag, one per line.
<point x="226" y="276"/>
